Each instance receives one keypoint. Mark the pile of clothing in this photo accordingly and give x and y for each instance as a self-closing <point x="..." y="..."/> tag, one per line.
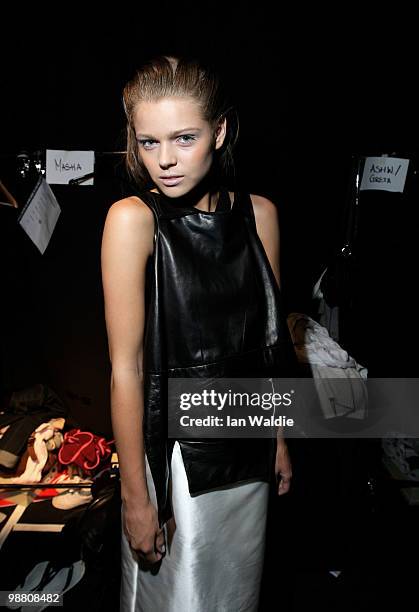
<point x="46" y="458"/>
<point x="39" y="445"/>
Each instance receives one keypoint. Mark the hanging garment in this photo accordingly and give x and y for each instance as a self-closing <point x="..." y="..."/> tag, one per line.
<point x="337" y="376"/>
<point x="328" y="316"/>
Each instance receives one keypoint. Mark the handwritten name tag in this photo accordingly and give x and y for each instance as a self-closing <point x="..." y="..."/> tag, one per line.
<point x="62" y="166"/>
<point x="385" y="173"/>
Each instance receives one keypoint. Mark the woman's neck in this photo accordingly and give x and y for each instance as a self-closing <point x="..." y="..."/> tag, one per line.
<point x="208" y="202"/>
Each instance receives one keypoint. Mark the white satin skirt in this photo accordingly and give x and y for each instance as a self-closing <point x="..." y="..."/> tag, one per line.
<point x="215" y="546"/>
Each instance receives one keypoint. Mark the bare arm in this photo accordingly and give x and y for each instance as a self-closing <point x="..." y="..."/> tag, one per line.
<point x="127" y="243"/>
<point x="267" y="226"/>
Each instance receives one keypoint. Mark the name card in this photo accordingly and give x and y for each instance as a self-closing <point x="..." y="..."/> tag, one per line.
<point x="384" y="173"/>
<point x="63" y="166"/>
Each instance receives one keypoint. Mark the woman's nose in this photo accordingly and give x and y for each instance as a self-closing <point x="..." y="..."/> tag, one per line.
<point x="167" y="156"/>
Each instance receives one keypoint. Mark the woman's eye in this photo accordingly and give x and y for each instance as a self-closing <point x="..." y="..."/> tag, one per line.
<point x="146" y="144"/>
<point x="187" y="138"/>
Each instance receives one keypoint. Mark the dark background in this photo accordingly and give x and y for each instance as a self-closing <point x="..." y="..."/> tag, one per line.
<point x="313" y="89"/>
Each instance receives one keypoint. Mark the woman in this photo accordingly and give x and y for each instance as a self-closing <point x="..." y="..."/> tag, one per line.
<point x="191" y="286"/>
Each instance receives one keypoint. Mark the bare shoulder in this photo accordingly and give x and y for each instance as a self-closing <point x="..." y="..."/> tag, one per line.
<point x="266" y="216"/>
<point x="133" y="209"/>
<point x="132" y="220"/>
<point x="264" y="209"/>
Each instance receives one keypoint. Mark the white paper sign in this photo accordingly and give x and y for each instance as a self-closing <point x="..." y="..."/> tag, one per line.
<point x="40" y="214"/>
<point x="385" y="173"/>
<point x="62" y="166"/>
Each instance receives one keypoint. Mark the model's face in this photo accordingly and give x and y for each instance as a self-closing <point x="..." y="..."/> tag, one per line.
<point x="175" y="141"/>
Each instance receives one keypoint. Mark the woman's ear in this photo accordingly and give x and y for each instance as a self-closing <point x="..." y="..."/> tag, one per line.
<point x="220" y="133"/>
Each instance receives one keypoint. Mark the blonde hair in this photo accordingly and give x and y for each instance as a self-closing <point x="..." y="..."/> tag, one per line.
<point x="167" y="76"/>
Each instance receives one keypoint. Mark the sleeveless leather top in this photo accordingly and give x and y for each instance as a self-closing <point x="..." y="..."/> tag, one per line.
<point x="213" y="309"/>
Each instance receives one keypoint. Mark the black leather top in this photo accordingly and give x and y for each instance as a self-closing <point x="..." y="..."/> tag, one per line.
<point x="213" y="309"/>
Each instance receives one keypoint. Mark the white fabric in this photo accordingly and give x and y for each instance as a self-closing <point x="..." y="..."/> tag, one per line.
<point x="313" y="344"/>
<point x="337" y="376"/>
<point x="214" y="557"/>
<point x="34" y="467"/>
<point x="340" y="392"/>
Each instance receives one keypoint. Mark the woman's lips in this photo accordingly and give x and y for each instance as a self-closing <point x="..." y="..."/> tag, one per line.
<point x="170" y="182"/>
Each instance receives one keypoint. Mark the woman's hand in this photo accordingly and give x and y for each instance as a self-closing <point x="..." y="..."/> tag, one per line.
<point x="141" y="527"/>
<point x="283" y="471"/>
